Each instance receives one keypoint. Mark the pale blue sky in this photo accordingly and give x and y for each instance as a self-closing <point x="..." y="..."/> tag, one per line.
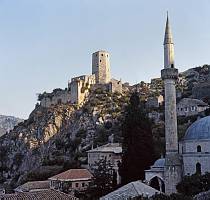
<point x="43" y="43"/>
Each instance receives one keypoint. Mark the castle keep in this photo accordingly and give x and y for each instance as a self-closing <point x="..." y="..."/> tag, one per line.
<point x="101" y="67"/>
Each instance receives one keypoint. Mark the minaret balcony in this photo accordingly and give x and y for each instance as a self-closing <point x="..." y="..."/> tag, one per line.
<point x="169" y="73"/>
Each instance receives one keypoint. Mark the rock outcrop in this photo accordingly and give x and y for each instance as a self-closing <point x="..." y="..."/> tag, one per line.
<point x="7" y="123"/>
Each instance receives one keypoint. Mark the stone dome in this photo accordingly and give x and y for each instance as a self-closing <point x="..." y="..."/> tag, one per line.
<point x="199" y="130"/>
<point x="159" y="163"/>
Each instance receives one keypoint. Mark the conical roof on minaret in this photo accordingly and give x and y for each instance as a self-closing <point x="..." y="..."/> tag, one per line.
<point x="168" y="34"/>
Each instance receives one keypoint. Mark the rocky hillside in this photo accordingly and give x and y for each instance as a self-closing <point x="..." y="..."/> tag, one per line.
<point x="7" y="123"/>
<point x="56" y="138"/>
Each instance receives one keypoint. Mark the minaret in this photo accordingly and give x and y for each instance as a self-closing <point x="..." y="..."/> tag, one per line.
<point x="173" y="167"/>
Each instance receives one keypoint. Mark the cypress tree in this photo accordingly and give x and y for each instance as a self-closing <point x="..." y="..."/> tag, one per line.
<point x="138" y="152"/>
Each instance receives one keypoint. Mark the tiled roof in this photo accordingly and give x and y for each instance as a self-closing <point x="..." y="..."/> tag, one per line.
<point x="73" y="174"/>
<point x="33" y="185"/>
<point x="110" y="147"/>
<point x="133" y="189"/>
<point x="38" y="195"/>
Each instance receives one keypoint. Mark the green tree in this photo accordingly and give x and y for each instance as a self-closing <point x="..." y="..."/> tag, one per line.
<point x="104" y="180"/>
<point x="192" y="185"/>
<point x="138" y="152"/>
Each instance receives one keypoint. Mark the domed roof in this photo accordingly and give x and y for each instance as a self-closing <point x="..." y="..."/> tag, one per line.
<point x="159" y="163"/>
<point x="199" y="130"/>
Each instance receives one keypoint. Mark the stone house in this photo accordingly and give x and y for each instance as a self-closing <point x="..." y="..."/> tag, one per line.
<point x="115" y="86"/>
<point x="112" y="152"/>
<point x="71" y="180"/>
<point x="190" y="107"/>
<point x="154" y="102"/>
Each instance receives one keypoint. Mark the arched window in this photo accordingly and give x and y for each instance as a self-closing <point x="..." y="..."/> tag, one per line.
<point x="198" y="168"/>
<point x="198" y="148"/>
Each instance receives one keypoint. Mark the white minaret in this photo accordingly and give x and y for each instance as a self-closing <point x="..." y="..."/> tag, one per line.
<point x="173" y="169"/>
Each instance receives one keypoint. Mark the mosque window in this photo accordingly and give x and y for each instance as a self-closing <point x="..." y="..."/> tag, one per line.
<point x="198" y="148"/>
<point x="102" y="54"/>
<point x="198" y="168"/>
<point x="172" y="65"/>
<point x="193" y="108"/>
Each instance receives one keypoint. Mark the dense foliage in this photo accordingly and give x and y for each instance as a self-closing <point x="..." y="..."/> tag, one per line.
<point x="138" y="153"/>
<point x="192" y="185"/>
<point x="104" y="180"/>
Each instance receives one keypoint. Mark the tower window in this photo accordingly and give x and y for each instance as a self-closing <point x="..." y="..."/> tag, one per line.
<point x="198" y="148"/>
<point x="100" y="60"/>
<point x="102" y="54"/>
<point x="198" y="168"/>
<point x="172" y="65"/>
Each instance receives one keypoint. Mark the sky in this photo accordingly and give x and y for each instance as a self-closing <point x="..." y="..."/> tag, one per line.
<point x="44" y="43"/>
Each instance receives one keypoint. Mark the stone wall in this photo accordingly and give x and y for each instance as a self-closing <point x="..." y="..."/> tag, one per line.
<point x="191" y="157"/>
<point x="115" y="86"/>
<point x="79" y="88"/>
<point x="56" y="97"/>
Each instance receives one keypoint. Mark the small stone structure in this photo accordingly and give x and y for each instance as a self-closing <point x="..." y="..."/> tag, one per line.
<point x="115" y="86"/>
<point x="79" y="88"/>
<point x="154" y="102"/>
<point x="191" y="107"/>
<point x="112" y="152"/>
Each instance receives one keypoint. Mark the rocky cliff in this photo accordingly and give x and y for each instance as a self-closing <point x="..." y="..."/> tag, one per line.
<point x="58" y="137"/>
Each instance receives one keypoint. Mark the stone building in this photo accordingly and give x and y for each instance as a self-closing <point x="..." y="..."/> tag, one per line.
<point x="115" y="86"/>
<point x="154" y="102"/>
<point x="71" y="180"/>
<point x="79" y="88"/>
<point x="101" y="67"/>
<point x="56" y="97"/>
<point x="201" y="91"/>
<point x="112" y="152"/>
<point x="191" y="107"/>
<point x="195" y="147"/>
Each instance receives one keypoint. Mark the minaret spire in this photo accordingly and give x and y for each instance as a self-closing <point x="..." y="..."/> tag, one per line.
<point x="168" y="46"/>
<point x="168" y="34"/>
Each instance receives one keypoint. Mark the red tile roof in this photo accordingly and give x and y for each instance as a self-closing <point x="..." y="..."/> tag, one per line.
<point x="73" y="174"/>
<point x="33" y="185"/>
<point x="38" y="195"/>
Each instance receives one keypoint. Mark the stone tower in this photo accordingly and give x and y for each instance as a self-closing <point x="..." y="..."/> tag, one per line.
<point x="101" y="67"/>
<point x="173" y="167"/>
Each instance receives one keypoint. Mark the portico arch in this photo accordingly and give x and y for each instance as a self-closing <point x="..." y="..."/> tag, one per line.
<point x="157" y="183"/>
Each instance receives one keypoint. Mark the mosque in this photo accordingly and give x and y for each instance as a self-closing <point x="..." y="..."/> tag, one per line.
<point x="190" y="155"/>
